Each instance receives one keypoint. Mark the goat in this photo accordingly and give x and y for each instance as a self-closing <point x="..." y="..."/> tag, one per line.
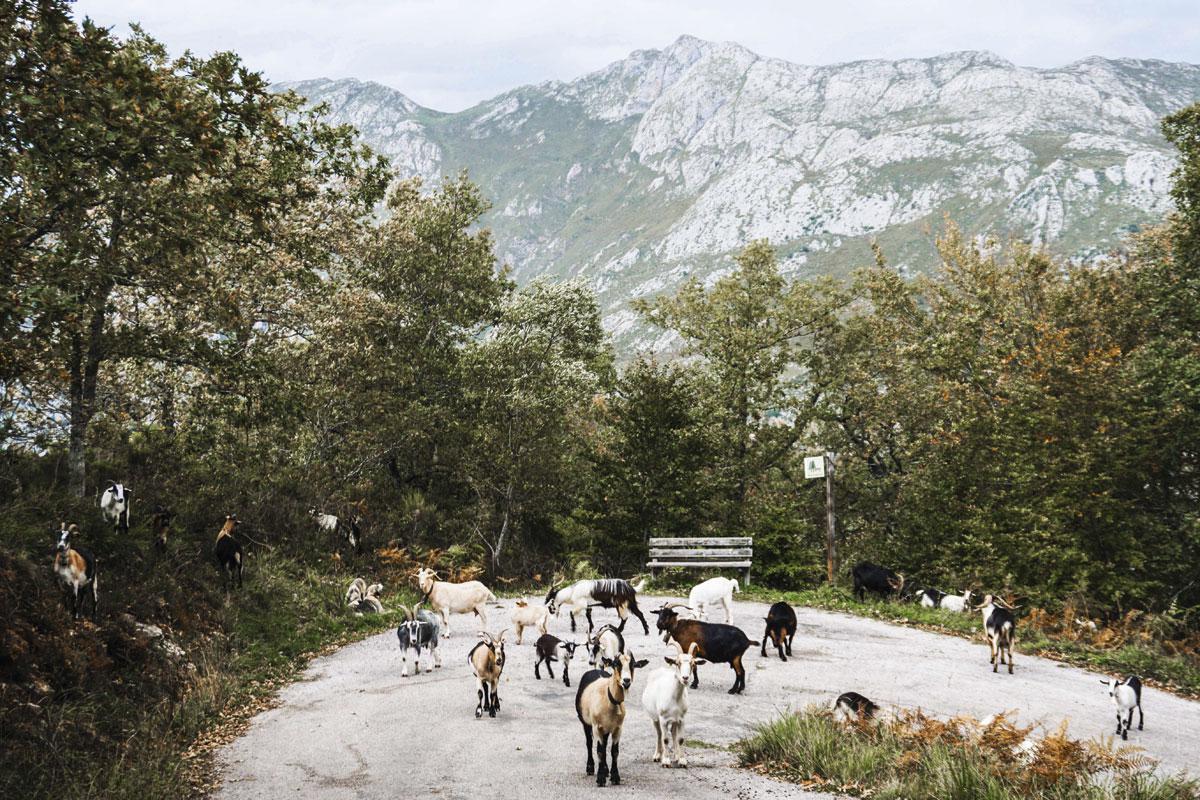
<point x="608" y="642"/>
<point x="781" y="629"/>
<point x="228" y="552"/>
<point x="665" y="700"/>
<point x="76" y="569"/>
<point x="550" y="648"/>
<point x="114" y="506"/>
<point x="853" y="707"/>
<point x="349" y="528"/>
<point x="956" y="602"/>
<point x="714" y="591"/>
<point x="487" y="662"/>
<point x="717" y="642"/>
<point x="929" y="597"/>
<point x="872" y="577"/>
<point x="600" y="706"/>
<point x="1000" y="626"/>
<point x="326" y="523"/>
<point x="527" y="616"/>
<point x="607" y="593"/>
<point x="160" y="525"/>
<point x="364" y="599"/>
<point x="457" y="598"/>
<point x="1126" y="696"/>
<point x="419" y="630"/>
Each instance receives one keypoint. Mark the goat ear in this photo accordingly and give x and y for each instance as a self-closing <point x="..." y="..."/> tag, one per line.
<point x="699" y="661"/>
<point x="642" y="663"/>
<point x="671" y="660"/>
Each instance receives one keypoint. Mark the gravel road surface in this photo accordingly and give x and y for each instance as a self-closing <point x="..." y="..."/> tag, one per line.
<point x="353" y="728"/>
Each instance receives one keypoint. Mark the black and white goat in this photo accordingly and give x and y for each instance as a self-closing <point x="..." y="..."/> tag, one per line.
<point x="76" y="569"/>
<point x="1000" y="625"/>
<point x="929" y="597"/>
<point x="606" y="593"/>
<point x="853" y="707"/>
<point x="114" y="506"/>
<point x="228" y="552"/>
<point x="419" y="631"/>
<point x="606" y="643"/>
<point x="550" y="648"/>
<point x="1126" y="696"/>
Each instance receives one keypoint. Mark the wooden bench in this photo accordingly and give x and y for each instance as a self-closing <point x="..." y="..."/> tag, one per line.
<point x="702" y="553"/>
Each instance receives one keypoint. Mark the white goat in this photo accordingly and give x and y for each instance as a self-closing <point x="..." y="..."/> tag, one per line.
<point x="1126" y="696"/>
<point x="364" y="599"/>
<point x="712" y="592"/>
<point x="114" y="506"/>
<point x="527" y="616"/>
<point x="956" y="602"/>
<point x="665" y="699"/>
<point x="454" y="598"/>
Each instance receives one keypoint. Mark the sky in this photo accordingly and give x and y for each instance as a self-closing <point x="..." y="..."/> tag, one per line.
<point x="451" y="54"/>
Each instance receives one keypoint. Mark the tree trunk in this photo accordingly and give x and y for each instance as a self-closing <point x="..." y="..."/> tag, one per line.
<point x="86" y="354"/>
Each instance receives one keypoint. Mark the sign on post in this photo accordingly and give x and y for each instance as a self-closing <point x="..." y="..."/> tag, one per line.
<point x="814" y="467"/>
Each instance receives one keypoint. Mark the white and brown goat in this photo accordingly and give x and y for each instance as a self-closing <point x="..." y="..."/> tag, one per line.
<point x="600" y="706"/>
<point x="76" y="569"/>
<point x="454" y="598"/>
<point x="530" y="616"/>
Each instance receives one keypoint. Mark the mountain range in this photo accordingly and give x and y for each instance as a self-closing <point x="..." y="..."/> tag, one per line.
<point x="661" y="166"/>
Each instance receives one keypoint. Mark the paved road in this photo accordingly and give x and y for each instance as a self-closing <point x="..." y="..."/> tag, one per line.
<point x="353" y="728"/>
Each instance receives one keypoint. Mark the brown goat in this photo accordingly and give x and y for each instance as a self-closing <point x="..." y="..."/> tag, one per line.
<point x="487" y="662"/>
<point x="715" y="641"/>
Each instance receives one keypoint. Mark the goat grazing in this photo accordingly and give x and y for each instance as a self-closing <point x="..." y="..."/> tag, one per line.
<point x="716" y="642"/>
<point x="712" y="592"/>
<point x="76" y="569"/>
<point x="418" y="631"/>
<point x="929" y="597"/>
<point x="1000" y="626"/>
<point x="1126" y="696"/>
<point x="550" y="648"/>
<point x="160" y="525"/>
<point x="454" y="598"/>
<point x="870" y="577"/>
<point x="956" y="602"/>
<point x="527" y="616"/>
<point x="607" y="643"/>
<point x="853" y="707"/>
<point x="607" y="593"/>
<point x="487" y="662"/>
<point x="364" y="599"/>
<point x="600" y="706"/>
<point x="114" y="506"/>
<point x="228" y="552"/>
<point x="349" y="528"/>
<point x="781" y="629"/>
<point x="665" y="700"/>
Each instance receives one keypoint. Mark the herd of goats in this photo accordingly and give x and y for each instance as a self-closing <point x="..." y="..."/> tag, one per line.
<point x="600" y="696"/>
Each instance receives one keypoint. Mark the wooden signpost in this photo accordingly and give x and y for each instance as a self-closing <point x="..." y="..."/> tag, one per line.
<point x="822" y="467"/>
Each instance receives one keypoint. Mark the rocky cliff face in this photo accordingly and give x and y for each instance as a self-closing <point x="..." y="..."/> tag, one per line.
<point x="662" y="165"/>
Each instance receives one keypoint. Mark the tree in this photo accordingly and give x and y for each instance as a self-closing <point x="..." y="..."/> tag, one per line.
<point x="143" y="205"/>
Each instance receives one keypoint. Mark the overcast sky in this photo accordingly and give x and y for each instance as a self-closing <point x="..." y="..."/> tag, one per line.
<point x="451" y="54"/>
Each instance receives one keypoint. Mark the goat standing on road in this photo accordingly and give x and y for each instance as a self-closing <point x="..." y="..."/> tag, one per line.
<point x="607" y="593"/>
<point x="600" y="706"/>
<point x="528" y="616"/>
<point x="665" y="700"/>
<point x="719" y="643"/>
<point x="550" y="648"/>
<point x="76" y="569"/>
<point x="487" y="662"/>
<point x="781" y="629"/>
<point x="1126" y="696"/>
<point x="1000" y="626"/>
<point x="454" y="598"/>
<point x="418" y="631"/>
<point x="713" y="592"/>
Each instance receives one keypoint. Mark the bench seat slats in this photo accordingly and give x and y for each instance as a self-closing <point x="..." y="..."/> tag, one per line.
<point x="738" y="564"/>
<point x="732" y="552"/>
<point x="703" y="541"/>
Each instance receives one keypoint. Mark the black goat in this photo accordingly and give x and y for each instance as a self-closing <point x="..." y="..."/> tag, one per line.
<point x="550" y="648"/>
<point x="715" y="641"/>
<point x="229" y="552"/>
<point x="874" y="578"/>
<point x="781" y="629"/>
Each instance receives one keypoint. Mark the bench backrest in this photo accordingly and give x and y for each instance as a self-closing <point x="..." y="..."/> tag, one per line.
<point x="702" y="548"/>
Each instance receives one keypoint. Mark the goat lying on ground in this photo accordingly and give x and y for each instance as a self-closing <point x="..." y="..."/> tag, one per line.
<point x="929" y="597"/>
<point x="853" y="707"/>
<point x="1126" y="696"/>
<point x="228" y="552"/>
<point x="76" y="569"/>
<point x="600" y="706"/>
<point x="527" y="616"/>
<point x="550" y="648"/>
<point x="606" y="593"/>
<point x="364" y="599"/>
<point x="956" y="602"/>
<point x="454" y="598"/>
<point x="781" y="629"/>
<point x="114" y="506"/>
<point x="418" y="631"/>
<point x="719" y="643"/>
<point x="1000" y="626"/>
<point x="487" y="662"/>
<point x="665" y="700"/>
<point x="713" y="592"/>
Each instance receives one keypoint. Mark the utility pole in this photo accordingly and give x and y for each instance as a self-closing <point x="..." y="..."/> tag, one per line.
<point x="831" y="553"/>
<point x="822" y="467"/>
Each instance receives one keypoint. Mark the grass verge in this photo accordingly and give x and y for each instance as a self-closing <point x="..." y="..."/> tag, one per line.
<point x="914" y="757"/>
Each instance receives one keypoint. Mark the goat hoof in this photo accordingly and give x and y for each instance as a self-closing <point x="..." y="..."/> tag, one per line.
<point x="616" y="779"/>
<point x="478" y="713"/>
<point x="591" y="770"/>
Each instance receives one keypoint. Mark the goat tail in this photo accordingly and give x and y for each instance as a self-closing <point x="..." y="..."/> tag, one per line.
<point x="491" y="597"/>
<point x="736" y="589"/>
<point x="755" y="644"/>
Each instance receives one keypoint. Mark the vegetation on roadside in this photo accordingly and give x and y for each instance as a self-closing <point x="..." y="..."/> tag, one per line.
<point x="915" y="757"/>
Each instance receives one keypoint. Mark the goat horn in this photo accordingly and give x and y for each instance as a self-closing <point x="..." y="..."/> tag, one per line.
<point x="678" y="605"/>
<point x="407" y="616"/>
<point x="692" y="648"/>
